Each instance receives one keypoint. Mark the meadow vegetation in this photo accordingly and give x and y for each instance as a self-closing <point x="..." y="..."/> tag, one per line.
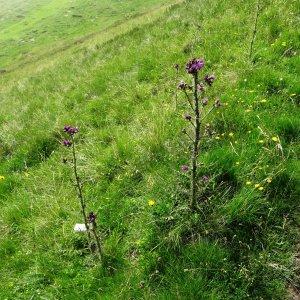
<point x="121" y="92"/>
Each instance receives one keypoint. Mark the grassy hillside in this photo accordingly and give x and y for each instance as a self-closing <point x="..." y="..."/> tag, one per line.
<point x="121" y="93"/>
<point x="29" y="28"/>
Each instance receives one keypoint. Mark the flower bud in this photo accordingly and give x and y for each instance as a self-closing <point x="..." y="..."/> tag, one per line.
<point x="182" y="85"/>
<point x="184" y="168"/>
<point x="218" y="103"/>
<point x="188" y="117"/>
<point x="67" y="143"/>
<point x="209" y="79"/>
<point x="204" y="101"/>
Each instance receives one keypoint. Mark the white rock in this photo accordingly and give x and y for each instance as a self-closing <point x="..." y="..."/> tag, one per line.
<point x="79" y="228"/>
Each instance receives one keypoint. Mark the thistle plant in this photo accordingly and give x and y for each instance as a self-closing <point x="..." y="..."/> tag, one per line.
<point x="199" y="107"/>
<point x="258" y="8"/>
<point x="70" y="143"/>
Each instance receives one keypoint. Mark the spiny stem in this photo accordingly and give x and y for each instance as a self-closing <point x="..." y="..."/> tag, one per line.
<point x="255" y="29"/>
<point x="195" y="150"/>
<point x="97" y="240"/>
<point x="79" y="191"/>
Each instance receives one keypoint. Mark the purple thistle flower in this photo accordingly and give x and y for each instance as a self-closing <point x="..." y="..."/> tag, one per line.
<point x="182" y="85"/>
<point x="70" y="129"/>
<point x="67" y="143"/>
<point x="194" y="65"/>
<point x="188" y="117"/>
<point x="66" y="128"/>
<point x="92" y="217"/>
<point x="184" y="168"/>
<point x="209" y="79"/>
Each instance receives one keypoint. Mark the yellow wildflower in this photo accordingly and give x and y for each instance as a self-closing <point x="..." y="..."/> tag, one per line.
<point x="237" y="163"/>
<point x="260" y="188"/>
<point x="261" y="141"/>
<point x="247" y="110"/>
<point x="151" y="202"/>
<point x="268" y="180"/>
<point x="248" y="182"/>
<point x="275" y="139"/>
<point x="217" y="137"/>
<point x="231" y="134"/>
<point x="2" y="177"/>
<point x="263" y="101"/>
<point x="257" y="185"/>
<point x="249" y="131"/>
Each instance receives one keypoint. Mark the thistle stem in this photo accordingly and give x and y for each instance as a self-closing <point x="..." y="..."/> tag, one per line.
<point x="79" y="191"/>
<point x="255" y="29"/>
<point x="195" y="150"/>
<point x="94" y="226"/>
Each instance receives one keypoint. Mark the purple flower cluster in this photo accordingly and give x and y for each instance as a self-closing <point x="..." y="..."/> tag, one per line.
<point x="194" y="65"/>
<point x="70" y="129"/>
<point x="67" y="143"/>
<point x="209" y="79"/>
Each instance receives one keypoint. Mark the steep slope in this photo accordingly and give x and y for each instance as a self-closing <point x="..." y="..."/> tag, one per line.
<point x="30" y="29"/>
<point x="122" y="95"/>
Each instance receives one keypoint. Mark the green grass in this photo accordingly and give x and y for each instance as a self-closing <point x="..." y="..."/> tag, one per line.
<point x="120" y="90"/>
<point x="29" y="28"/>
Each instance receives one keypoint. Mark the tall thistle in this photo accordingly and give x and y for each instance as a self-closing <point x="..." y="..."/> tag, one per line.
<point x="70" y="142"/>
<point x="197" y="102"/>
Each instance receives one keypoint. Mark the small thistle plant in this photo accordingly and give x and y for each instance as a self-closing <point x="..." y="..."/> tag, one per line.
<point x="198" y="102"/>
<point x="89" y="219"/>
